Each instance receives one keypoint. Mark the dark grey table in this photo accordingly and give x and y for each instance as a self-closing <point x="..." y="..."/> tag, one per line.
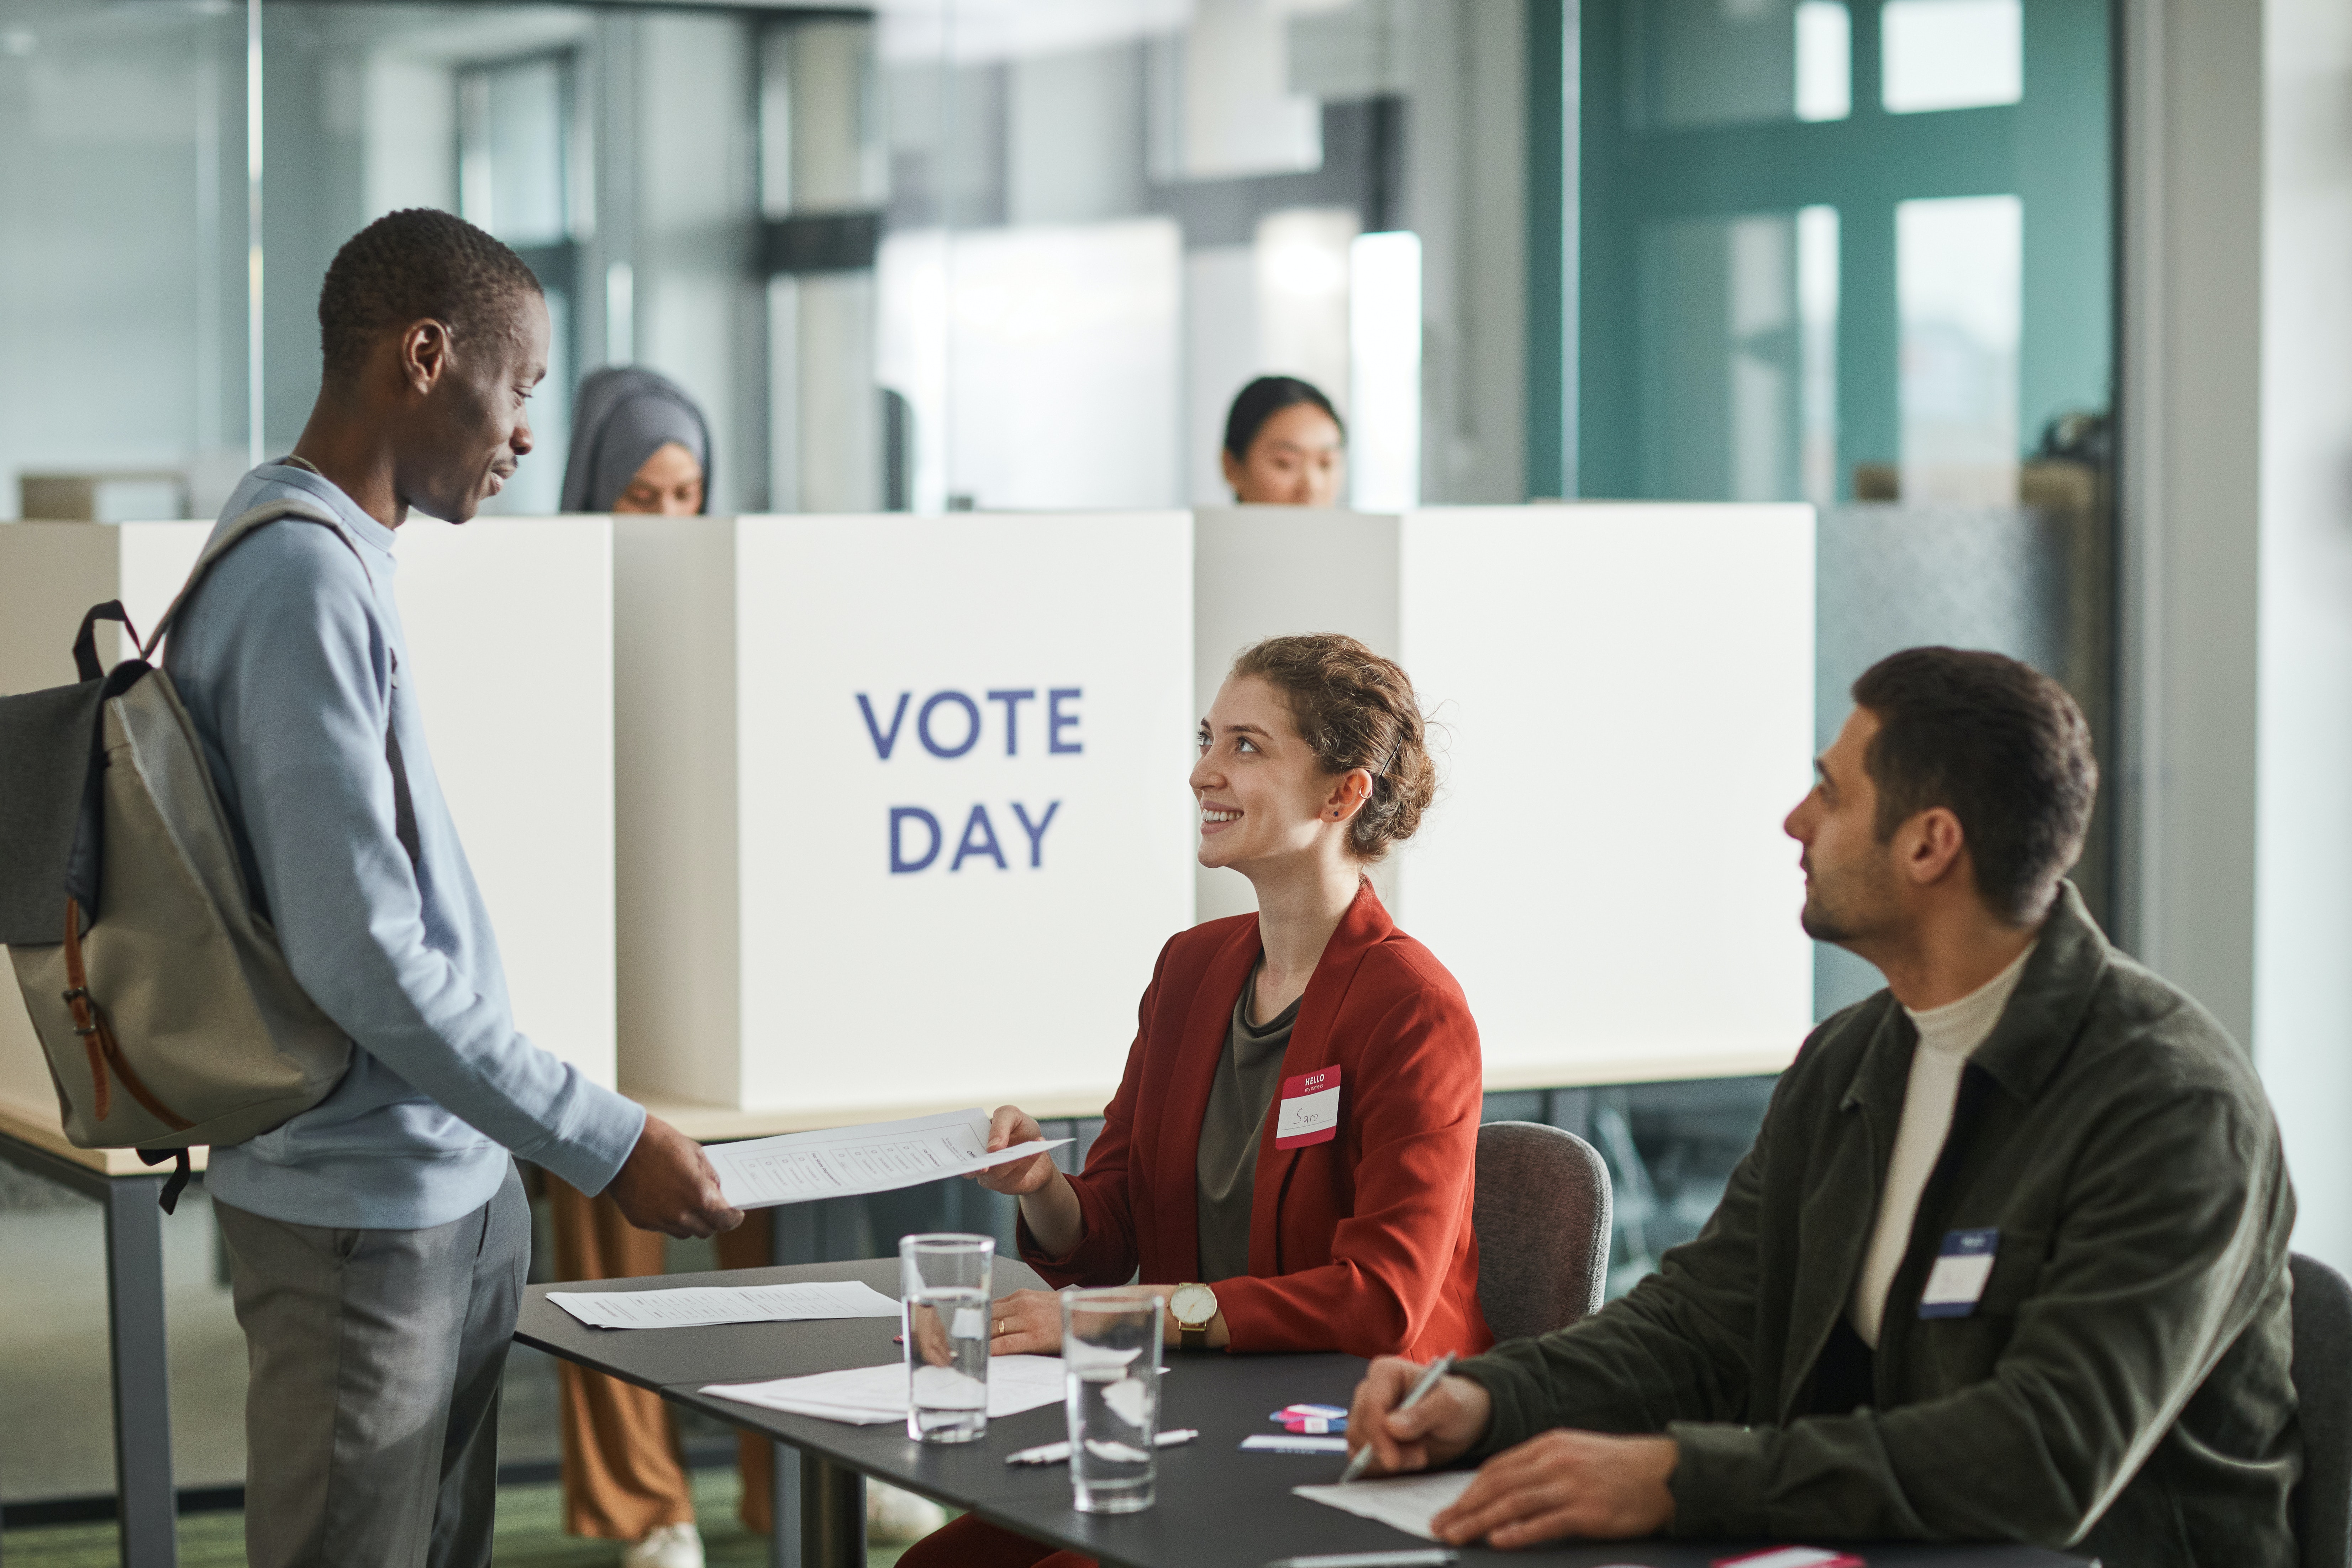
<point x="1218" y="1507"/>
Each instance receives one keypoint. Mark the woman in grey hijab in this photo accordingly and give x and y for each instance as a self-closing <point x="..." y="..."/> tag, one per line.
<point x="639" y="444"/>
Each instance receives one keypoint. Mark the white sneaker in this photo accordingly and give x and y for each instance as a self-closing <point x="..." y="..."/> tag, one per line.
<point x="669" y="1546"/>
<point x="895" y="1518"/>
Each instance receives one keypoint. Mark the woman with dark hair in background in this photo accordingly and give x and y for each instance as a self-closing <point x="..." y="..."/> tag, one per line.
<point x="1284" y="444"/>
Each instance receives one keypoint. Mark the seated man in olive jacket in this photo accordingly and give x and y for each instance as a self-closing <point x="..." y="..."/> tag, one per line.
<point x="2008" y="1260"/>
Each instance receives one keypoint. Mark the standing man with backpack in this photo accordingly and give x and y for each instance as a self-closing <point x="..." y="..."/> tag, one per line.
<point x="378" y="1241"/>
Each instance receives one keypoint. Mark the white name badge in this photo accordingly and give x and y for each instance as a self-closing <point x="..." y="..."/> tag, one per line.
<point x="1309" y="1111"/>
<point x="1962" y="1266"/>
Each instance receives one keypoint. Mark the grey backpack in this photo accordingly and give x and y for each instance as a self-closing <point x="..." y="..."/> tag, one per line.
<point x="157" y="986"/>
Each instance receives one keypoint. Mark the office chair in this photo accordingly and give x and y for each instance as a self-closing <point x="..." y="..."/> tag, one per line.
<point x="1541" y="1216"/>
<point x="2323" y="1389"/>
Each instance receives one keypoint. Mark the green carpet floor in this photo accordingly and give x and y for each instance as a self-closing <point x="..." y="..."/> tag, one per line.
<point x="530" y="1535"/>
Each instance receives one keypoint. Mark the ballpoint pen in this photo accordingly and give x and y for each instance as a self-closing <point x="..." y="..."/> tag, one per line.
<point x="1428" y="1380"/>
<point x="1420" y="1557"/>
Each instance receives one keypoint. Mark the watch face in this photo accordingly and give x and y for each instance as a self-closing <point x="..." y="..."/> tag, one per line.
<point x="1194" y="1304"/>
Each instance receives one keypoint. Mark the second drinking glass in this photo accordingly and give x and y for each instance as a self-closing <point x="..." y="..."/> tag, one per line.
<point x="1110" y="1353"/>
<point x="943" y="1295"/>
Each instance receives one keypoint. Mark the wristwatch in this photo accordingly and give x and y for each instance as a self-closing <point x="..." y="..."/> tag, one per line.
<point x="1195" y="1307"/>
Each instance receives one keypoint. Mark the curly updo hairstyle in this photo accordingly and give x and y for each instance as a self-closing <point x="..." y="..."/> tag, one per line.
<point x="1355" y="710"/>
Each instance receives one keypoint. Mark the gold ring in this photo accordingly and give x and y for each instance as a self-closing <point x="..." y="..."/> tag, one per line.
<point x="1000" y="1326"/>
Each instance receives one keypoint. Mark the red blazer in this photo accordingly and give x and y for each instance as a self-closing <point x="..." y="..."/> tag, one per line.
<point x="1361" y="1244"/>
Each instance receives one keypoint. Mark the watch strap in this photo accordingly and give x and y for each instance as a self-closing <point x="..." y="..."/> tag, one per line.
<point x="1192" y="1339"/>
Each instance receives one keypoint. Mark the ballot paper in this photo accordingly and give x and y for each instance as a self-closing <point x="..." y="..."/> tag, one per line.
<point x="869" y="1395"/>
<point x="1403" y="1502"/>
<point x="697" y="1306"/>
<point x="844" y="1162"/>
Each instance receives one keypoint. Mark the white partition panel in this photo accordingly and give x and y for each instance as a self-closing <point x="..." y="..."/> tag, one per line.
<point x="50" y="574"/>
<point x="510" y="625"/>
<point x="509" y="629"/>
<point x="903" y="803"/>
<point x="1623" y="699"/>
<point x="1624" y="696"/>
<point x="1266" y="571"/>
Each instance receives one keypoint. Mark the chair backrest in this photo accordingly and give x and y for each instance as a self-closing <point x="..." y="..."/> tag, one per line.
<point x="2323" y="1391"/>
<point x="1541" y="1215"/>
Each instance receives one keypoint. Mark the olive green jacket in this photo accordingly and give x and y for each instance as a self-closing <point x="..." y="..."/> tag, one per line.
<point x="2121" y="1387"/>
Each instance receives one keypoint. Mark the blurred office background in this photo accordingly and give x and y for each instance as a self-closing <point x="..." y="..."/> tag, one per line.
<point x="2031" y="297"/>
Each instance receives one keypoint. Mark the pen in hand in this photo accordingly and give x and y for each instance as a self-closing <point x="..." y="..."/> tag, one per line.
<point x="1430" y="1378"/>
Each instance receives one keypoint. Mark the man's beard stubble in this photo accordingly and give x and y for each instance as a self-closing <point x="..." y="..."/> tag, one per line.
<point x="1838" y="909"/>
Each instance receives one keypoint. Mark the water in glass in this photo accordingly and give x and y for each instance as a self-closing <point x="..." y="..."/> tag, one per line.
<point x="944" y="1294"/>
<point x="1111" y="1350"/>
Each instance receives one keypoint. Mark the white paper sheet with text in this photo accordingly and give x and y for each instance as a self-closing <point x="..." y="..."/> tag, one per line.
<point x="1402" y="1502"/>
<point x="700" y="1305"/>
<point x="844" y="1162"/>
<point x="868" y="1395"/>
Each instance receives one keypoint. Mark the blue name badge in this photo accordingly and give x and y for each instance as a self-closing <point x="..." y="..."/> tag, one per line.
<point x="1963" y="1264"/>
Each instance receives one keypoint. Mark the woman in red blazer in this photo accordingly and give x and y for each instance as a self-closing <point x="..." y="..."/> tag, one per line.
<point x="1270" y="1211"/>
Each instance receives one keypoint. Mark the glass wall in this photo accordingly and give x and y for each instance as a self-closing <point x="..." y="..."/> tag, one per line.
<point x="935" y="255"/>
<point x="123" y="255"/>
<point x="1837" y="252"/>
<point x="1858" y="252"/>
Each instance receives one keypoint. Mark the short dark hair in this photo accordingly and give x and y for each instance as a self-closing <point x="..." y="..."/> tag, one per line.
<point x="1999" y="745"/>
<point x="405" y="267"/>
<point x="1263" y="398"/>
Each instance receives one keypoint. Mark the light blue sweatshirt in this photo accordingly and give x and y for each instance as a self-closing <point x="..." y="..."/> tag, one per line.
<point x="287" y="659"/>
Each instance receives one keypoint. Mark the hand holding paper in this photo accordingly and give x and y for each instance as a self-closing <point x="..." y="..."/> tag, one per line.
<point x="1561" y="1483"/>
<point x="845" y="1162"/>
<point x="1011" y="1130"/>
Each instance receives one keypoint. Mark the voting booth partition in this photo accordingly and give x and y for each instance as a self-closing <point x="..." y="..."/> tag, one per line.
<point x="510" y="630"/>
<point x="1621" y="707"/>
<point x="903" y="815"/>
<point x="820" y="819"/>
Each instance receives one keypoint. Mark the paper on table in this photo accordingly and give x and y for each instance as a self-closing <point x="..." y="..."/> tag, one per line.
<point x="1403" y="1502"/>
<point x="700" y="1306"/>
<point x="868" y="1395"/>
<point x="844" y="1162"/>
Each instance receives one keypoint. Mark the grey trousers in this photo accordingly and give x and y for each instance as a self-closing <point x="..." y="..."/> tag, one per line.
<point x="371" y="1420"/>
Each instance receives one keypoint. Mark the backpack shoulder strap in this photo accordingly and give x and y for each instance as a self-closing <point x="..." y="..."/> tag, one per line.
<point x="235" y="535"/>
<point x="404" y="810"/>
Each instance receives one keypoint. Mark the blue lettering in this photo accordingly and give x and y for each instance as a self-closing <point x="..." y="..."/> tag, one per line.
<point x="1056" y="720"/>
<point x="970" y="718"/>
<point x="1036" y="831"/>
<point x="899" y="816"/>
<point x="984" y="845"/>
<point x="1012" y="701"/>
<point x="882" y="743"/>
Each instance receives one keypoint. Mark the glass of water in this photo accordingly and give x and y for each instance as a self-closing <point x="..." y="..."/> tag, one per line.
<point x="943" y="1293"/>
<point x="1110" y="1353"/>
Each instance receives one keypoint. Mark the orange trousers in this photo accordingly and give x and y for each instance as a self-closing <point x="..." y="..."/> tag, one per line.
<point x="622" y="1476"/>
